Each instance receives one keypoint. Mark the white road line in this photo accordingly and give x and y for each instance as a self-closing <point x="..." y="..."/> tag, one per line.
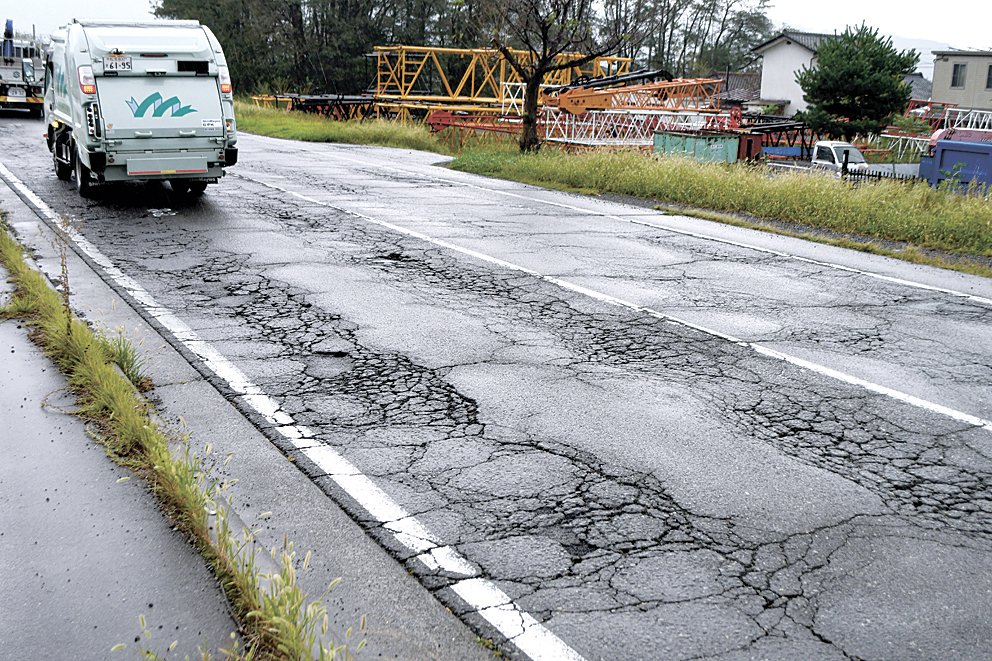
<point x="696" y="235"/>
<point x="482" y="596"/>
<point x="933" y="407"/>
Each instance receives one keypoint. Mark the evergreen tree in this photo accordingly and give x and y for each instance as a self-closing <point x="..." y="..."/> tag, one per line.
<point x="856" y="84"/>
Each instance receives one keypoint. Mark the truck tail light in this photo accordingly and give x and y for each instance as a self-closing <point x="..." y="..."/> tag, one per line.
<point x="93" y="121"/>
<point x="225" y="79"/>
<point x="87" y="83"/>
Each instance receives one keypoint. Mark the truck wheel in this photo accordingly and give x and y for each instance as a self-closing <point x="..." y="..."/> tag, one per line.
<point x="62" y="170"/>
<point x="179" y="186"/>
<point x="83" y="182"/>
<point x="197" y="187"/>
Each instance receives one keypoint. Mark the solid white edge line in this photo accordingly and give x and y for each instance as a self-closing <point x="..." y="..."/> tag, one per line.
<point x="526" y="633"/>
<point x="520" y="628"/>
<point x="696" y="235"/>
<point x="912" y="400"/>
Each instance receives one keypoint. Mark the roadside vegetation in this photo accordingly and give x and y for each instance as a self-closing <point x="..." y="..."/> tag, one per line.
<point x="313" y="128"/>
<point x="892" y="211"/>
<point x="915" y="216"/>
<point x="278" y="621"/>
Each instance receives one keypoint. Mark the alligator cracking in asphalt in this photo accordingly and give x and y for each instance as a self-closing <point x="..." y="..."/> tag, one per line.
<point x="408" y="426"/>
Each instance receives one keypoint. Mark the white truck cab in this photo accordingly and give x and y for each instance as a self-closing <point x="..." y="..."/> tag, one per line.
<point x="128" y="101"/>
<point x="830" y="155"/>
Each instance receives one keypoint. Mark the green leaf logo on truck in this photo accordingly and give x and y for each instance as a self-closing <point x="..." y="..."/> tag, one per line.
<point x="159" y="106"/>
<point x="61" y="86"/>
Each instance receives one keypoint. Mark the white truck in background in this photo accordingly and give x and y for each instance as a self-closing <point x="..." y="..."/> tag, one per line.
<point x="20" y="86"/>
<point x="131" y="101"/>
<point x="833" y="155"/>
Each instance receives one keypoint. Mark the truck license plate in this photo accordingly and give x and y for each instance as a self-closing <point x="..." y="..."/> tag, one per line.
<point x="117" y="63"/>
<point x="15" y="92"/>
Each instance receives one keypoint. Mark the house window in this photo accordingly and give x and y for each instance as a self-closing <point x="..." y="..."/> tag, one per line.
<point x="988" y="79"/>
<point x="957" y="76"/>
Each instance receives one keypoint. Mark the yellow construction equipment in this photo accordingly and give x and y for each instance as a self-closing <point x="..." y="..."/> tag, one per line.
<point x="442" y="77"/>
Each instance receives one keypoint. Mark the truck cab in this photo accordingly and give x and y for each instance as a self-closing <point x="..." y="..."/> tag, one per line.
<point x="830" y="155"/>
<point x="135" y="101"/>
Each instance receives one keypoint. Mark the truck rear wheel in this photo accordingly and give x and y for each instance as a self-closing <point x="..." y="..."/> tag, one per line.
<point x="197" y="187"/>
<point x="62" y="170"/>
<point x="84" y="184"/>
<point x="179" y="186"/>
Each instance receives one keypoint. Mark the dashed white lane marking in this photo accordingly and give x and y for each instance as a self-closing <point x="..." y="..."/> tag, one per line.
<point x="668" y="228"/>
<point x="482" y="596"/>
<point x="918" y="402"/>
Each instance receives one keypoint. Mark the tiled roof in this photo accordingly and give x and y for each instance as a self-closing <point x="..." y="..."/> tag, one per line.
<point x="808" y="40"/>
<point x="739" y="95"/>
<point x="738" y="87"/>
<point x="738" y="80"/>
<point x="922" y="88"/>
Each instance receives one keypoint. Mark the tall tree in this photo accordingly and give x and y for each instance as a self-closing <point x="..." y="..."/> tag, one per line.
<point x="856" y="84"/>
<point x="549" y="33"/>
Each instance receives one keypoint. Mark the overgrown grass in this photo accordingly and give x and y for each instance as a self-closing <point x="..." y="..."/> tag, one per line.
<point x="278" y="620"/>
<point x="912" y="213"/>
<point x="313" y="128"/>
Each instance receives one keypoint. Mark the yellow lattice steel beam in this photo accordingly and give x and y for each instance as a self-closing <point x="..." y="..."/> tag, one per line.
<point x="467" y="75"/>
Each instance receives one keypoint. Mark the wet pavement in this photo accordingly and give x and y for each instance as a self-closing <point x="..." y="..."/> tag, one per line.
<point x="85" y="549"/>
<point x="502" y="362"/>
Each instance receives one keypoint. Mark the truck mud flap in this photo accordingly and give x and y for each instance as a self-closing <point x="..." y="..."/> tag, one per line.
<point x="143" y="167"/>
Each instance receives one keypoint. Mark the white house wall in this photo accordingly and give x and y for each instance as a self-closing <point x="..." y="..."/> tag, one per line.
<point x="780" y="63"/>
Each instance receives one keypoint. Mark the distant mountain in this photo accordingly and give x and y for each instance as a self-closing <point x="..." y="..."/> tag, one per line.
<point x="924" y="48"/>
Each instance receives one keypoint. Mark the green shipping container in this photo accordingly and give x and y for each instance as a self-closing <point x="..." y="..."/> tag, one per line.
<point x="706" y="148"/>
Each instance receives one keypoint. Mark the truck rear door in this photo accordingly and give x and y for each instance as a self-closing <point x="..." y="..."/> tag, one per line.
<point x="161" y="108"/>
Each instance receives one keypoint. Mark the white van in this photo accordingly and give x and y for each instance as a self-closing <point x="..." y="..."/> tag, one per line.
<point x="128" y="101"/>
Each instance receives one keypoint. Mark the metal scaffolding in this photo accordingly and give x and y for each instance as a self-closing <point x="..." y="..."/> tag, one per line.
<point x="964" y="118"/>
<point x="680" y="94"/>
<point x="903" y="145"/>
<point x="624" y="128"/>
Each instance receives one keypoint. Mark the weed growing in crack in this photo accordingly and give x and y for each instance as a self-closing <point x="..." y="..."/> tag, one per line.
<point x="63" y="227"/>
<point x="124" y="354"/>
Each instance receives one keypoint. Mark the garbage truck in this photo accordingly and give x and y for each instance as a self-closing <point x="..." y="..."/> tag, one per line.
<point x="20" y="86"/>
<point x="139" y="101"/>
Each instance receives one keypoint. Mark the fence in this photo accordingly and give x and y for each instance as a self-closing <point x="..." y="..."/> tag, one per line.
<point x="874" y="176"/>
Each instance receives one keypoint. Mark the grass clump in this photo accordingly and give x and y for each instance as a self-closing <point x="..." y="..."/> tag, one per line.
<point x="314" y="128"/>
<point x="122" y="353"/>
<point x="893" y="211"/>
<point x="277" y="618"/>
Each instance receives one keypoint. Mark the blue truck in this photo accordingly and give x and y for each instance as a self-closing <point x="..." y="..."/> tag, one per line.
<point x="962" y="163"/>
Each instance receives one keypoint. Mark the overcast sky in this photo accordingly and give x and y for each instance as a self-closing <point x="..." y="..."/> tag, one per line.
<point x="912" y="23"/>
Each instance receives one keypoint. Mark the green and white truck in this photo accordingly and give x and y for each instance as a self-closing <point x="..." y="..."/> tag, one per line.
<point x="133" y="101"/>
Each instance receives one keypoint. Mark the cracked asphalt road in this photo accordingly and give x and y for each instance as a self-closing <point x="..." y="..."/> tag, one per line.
<point x="643" y="489"/>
